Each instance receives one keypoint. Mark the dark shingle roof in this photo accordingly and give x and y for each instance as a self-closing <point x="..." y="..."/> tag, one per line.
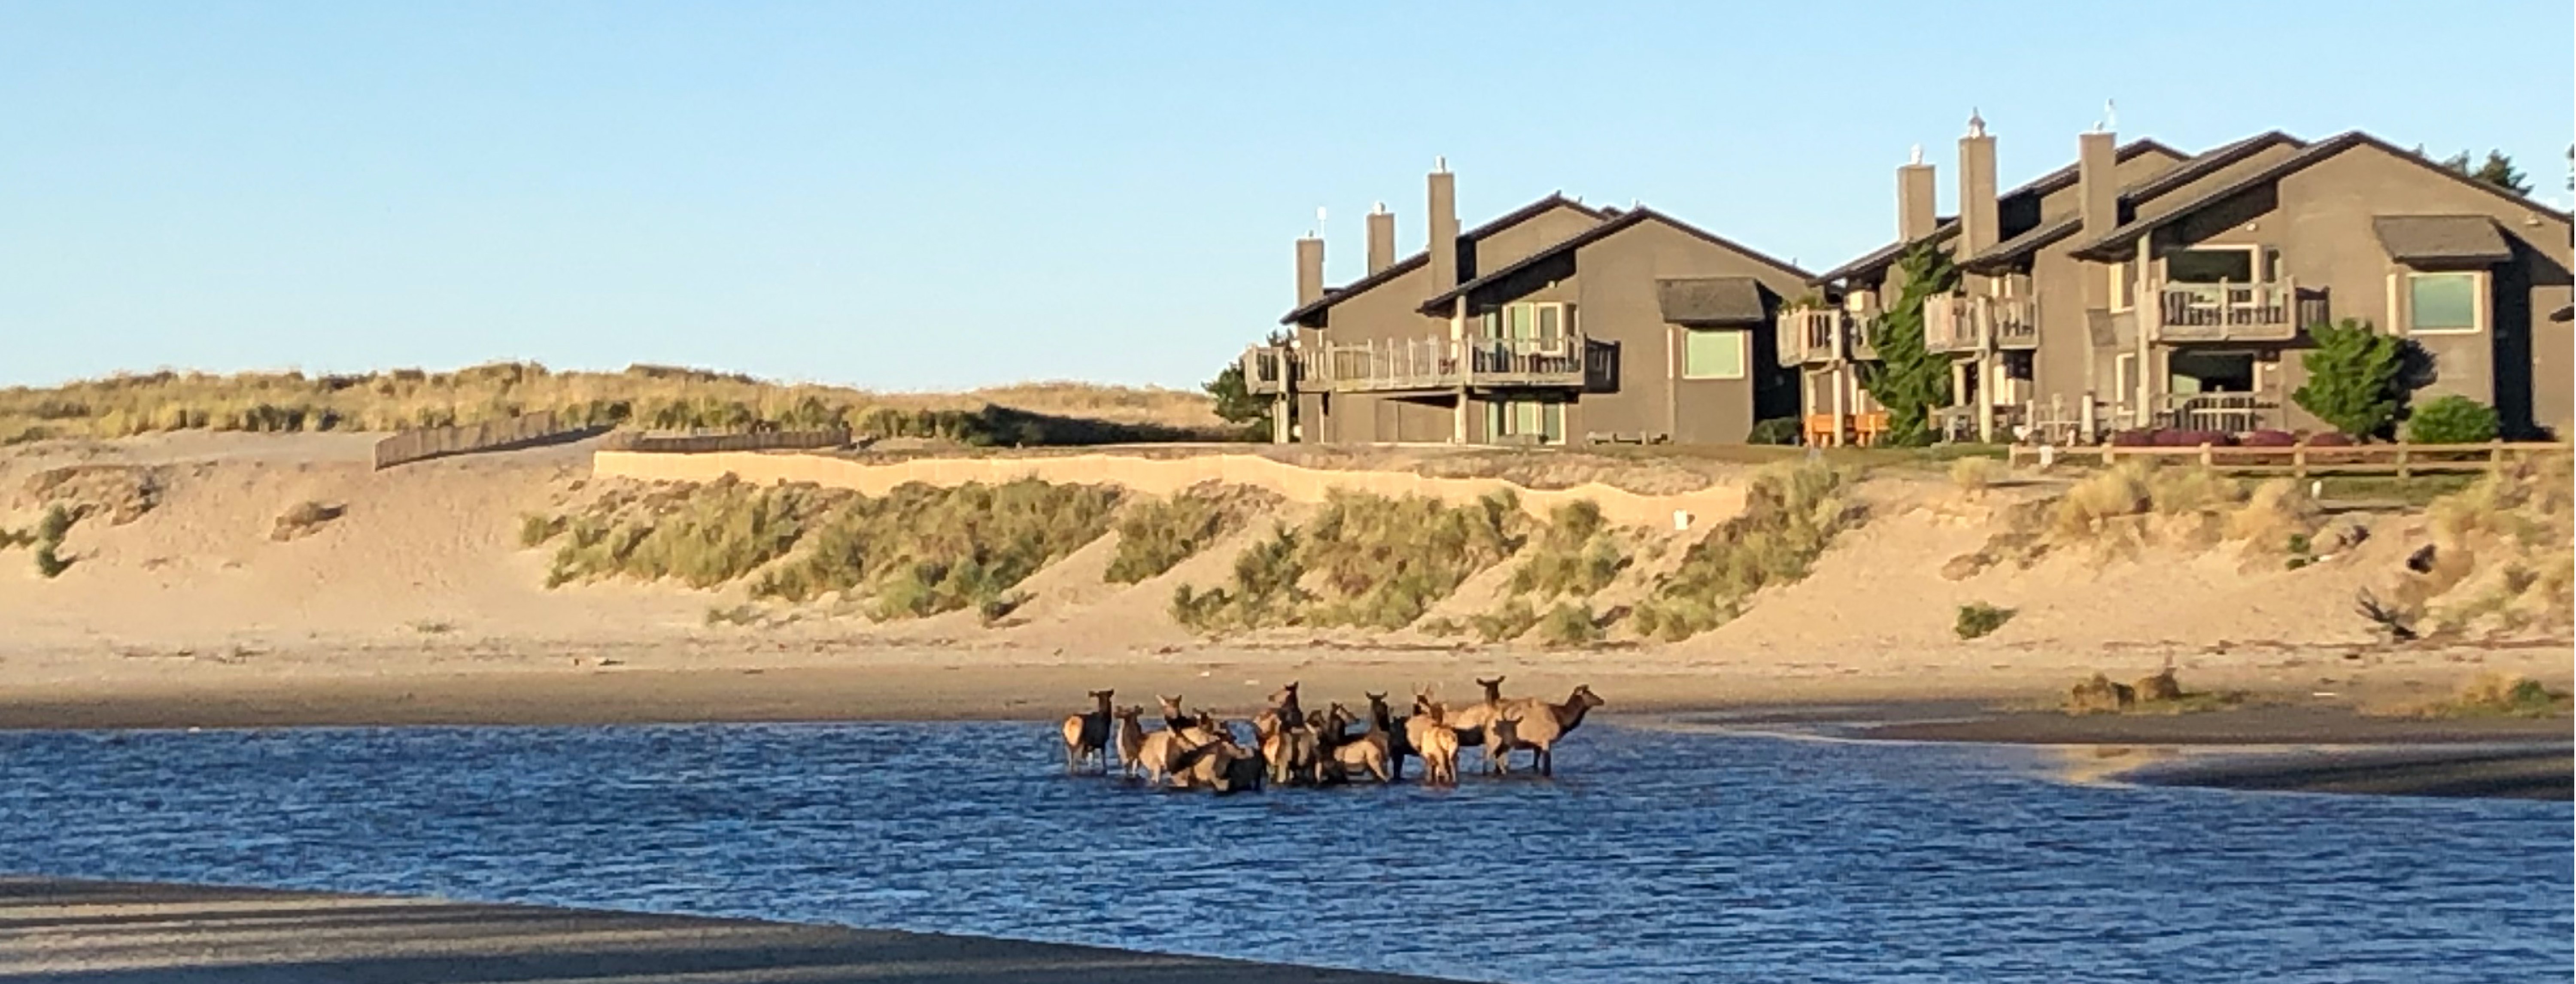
<point x="2047" y="233"/>
<point x="2117" y="243"/>
<point x="2045" y="184"/>
<point x="1626" y="220"/>
<point x="2441" y="239"/>
<point x="1712" y="301"/>
<point x="1408" y="264"/>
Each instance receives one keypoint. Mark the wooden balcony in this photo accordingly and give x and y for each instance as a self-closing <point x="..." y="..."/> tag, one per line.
<point x="1439" y="363"/>
<point x="1817" y="336"/>
<point x="1269" y="370"/>
<point x="2230" y="312"/>
<point x="1968" y="323"/>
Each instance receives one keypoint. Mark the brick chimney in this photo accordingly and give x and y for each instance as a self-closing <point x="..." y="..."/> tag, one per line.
<point x="1310" y="270"/>
<point x="2097" y="184"/>
<point x="1381" y="239"/>
<point x="1979" y="226"/>
<point x="1444" y="228"/>
<point x="1915" y="204"/>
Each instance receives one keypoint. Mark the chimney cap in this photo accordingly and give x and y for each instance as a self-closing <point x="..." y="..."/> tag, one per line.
<point x="1440" y="164"/>
<point x="1976" y="123"/>
<point x="1380" y="210"/>
<point x="1916" y="158"/>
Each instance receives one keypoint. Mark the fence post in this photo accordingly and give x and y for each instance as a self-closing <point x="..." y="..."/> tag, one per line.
<point x="2402" y="469"/>
<point x="2207" y="457"/>
<point x="2299" y="459"/>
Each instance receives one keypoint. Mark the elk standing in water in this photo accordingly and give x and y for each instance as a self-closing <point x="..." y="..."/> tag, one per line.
<point x="1399" y="745"/>
<point x="1438" y="746"/>
<point x="1131" y="740"/>
<point x="1537" y="725"/>
<point x="1087" y="735"/>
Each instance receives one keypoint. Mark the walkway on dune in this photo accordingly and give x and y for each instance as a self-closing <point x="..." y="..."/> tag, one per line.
<point x="119" y="933"/>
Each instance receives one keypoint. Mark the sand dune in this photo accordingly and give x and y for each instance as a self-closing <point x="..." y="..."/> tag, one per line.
<point x="423" y="575"/>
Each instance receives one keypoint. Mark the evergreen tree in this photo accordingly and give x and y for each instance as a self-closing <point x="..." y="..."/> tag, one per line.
<point x="2352" y="378"/>
<point x="2497" y="170"/>
<point x="1908" y="380"/>
<point x="1235" y="403"/>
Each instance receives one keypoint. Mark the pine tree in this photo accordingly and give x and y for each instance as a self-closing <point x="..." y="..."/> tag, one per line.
<point x="2497" y="170"/>
<point x="1907" y="379"/>
<point x="2352" y="378"/>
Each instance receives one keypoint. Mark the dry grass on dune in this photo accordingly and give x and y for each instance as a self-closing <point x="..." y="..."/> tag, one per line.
<point x="1792" y="512"/>
<point x="2116" y="512"/>
<point x="656" y="397"/>
<point x="2504" y="551"/>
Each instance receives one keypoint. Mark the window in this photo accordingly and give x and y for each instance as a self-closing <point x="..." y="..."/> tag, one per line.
<point x="2124" y="280"/>
<point x="2438" y="303"/>
<point x="1524" y="422"/>
<point x="1712" y="354"/>
<point x="1544" y="322"/>
<point x="2211" y="264"/>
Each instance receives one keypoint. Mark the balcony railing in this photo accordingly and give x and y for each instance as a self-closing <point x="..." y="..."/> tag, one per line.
<point x="1269" y="370"/>
<point x="1808" y="336"/>
<point x="2227" y="413"/>
<point x="1975" y="323"/>
<point x="1434" y="363"/>
<point x="2227" y="312"/>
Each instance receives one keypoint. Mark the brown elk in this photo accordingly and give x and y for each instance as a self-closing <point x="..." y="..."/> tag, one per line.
<point x="1399" y="744"/>
<point x="1087" y="735"/>
<point x="1537" y="725"/>
<point x="1438" y="746"/>
<point x="1364" y="752"/>
<point x="1131" y="740"/>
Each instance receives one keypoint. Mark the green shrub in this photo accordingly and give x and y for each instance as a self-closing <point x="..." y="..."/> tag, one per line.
<point x="2352" y="377"/>
<point x="1576" y="554"/>
<point x="1791" y="514"/>
<point x="1776" y="430"/>
<point x="1508" y="621"/>
<point x="56" y="524"/>
<point x="536" y="528"/>
<point x="1978" y="620"/>
<point x="1262" y="593"/>
<point x="49" y="561"/>
<point x="1156" y="534"/>
<point x="1382" y="562"/>
<point x="2452" y="420"/>
<point x="1569" y="624"/>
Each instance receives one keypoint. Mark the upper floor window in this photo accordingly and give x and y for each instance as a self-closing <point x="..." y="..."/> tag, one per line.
<point x="2211" y="264"/>
<point x="2442" y="302"/>
<point x="1712" y="354"/>
<point x="1543" y="322"/>
<point x="2124" y="282"/>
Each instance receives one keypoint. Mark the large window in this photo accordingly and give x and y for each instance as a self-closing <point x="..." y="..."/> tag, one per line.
<point x="1712" y="354"/>
<point x="1544" y="322"/>
<point x="2438" y="303"/>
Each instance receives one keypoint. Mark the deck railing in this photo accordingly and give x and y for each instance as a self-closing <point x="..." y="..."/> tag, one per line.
<point x="1437" y="362"/>
<point x="1807" y="336"/>
<point x="1269" y="370"/>
<point x="2225" y="312"/>
<point x="2304" y="459"/>
<point x="1973" y="322"/>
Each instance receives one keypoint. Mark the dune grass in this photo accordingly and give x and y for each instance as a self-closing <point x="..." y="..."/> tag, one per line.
<point x="1156" y="534"/>
<point x="1569" y="623"/>
<point x="2490" y="695"/>
<point x="1576" y="553"/>
<point x="918" y="550"/>
<point x="2116" y="512"/>
<point x="656" y="397"/>
<point x="2506" y="550"/>
<point x="303" y="519"/>
<point x="1792" y="512"/>
<point x="1978" y="620"/>
<point x="1364" y="561"/>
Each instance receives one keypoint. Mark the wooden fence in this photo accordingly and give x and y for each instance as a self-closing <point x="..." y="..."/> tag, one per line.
<point x="705" y="443"/>
<point x="2303" y="459"/>
<point x="491" y="435"/>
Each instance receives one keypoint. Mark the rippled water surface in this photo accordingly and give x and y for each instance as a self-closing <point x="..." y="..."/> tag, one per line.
<point x="1652" y="857"/>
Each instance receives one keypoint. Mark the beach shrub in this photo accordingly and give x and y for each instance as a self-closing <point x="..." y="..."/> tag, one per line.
<point x="2501" y="551"/>
<point x="1263" y="591"/>
<point x="1977" y="620"/>
<point x="537" y="528"/>
<point x="1156" y="534"/>
<point x="2452" y="420"/>
<point x="56" y="524"/>
<point x="1576" y="553"/>
<point x="1569" y="624"/>
<point x="1792" y="512"/>
<point x="1380" y="562"/>
<point x="2352" y="380"/>
<point x="1974" y="475"/>
<point x="922" y="550"/>
<point x="2495" y="694"/>
<point x="2117" y="511"/>
<point x="1510" y="620"/>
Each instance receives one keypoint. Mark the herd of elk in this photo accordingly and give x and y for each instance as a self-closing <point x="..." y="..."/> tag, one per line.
<point x="1292" y="746"/>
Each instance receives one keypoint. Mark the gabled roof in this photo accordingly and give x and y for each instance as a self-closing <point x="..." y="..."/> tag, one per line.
<point x="2441" y="239"/>
<point x="2117" y="244"/>
<point x="1408" y="264"/>
<point x="2047" y="233"/>
<point x="1724" y="302"/>
<point x="2045" y="184"/>
<point x="1629" y="219"/>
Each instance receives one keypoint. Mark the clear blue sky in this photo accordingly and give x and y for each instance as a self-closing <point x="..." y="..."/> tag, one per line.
<point x="931" y="195"/>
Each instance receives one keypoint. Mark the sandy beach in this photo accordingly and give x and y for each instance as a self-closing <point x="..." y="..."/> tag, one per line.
<point x="69" y="930"/>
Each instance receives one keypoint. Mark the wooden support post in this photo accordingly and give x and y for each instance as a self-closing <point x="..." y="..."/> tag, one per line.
<point x="2207" y="458"/>
<point x="2299" y="459"/>
<point x="2402" y="470"/>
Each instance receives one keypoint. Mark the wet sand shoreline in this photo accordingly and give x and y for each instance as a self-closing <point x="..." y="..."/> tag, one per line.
<point x="72" y="930"/>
